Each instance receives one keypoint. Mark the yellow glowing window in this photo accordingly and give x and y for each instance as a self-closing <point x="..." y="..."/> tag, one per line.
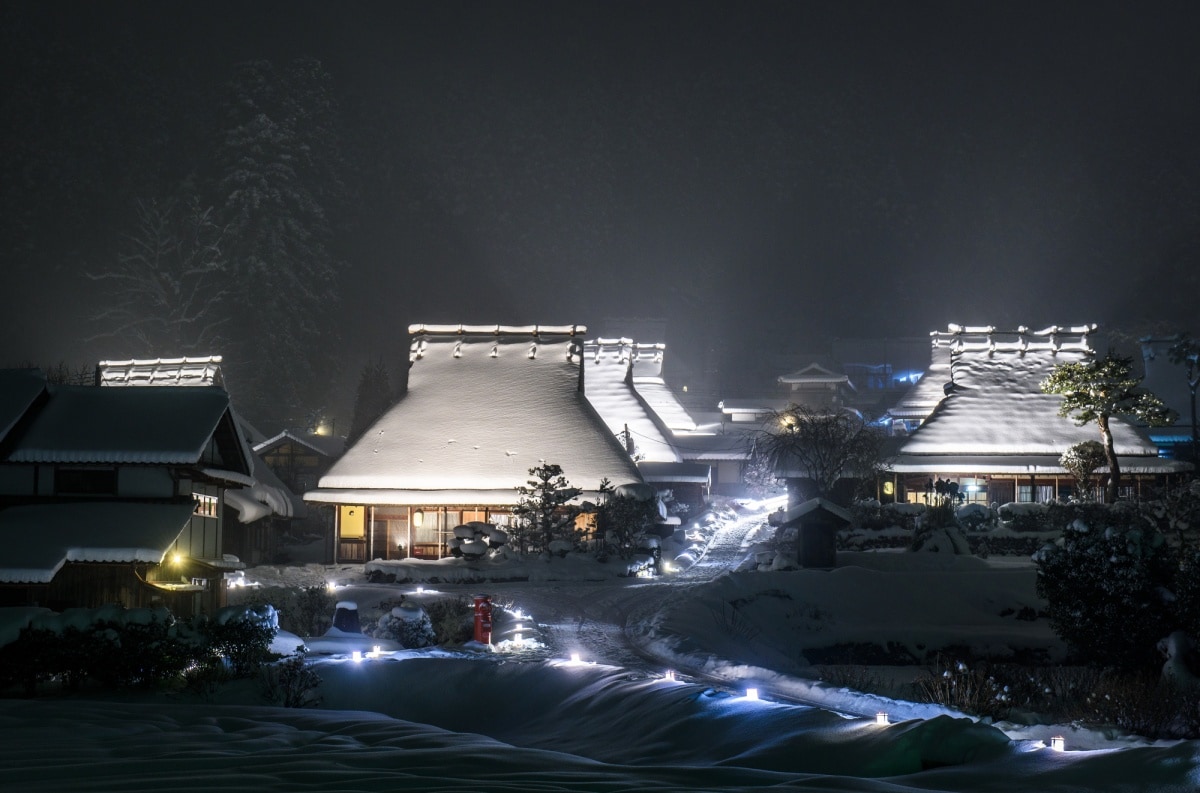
<point x="352" y="522"/>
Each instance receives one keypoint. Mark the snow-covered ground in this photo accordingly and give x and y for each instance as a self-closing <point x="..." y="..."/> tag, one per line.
<point x="523" y="717"/>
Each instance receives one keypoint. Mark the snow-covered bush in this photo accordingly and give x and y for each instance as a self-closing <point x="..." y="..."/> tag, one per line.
<point x="292" y="682"/>
<point x="974" y="517"/>
<point x="115" y="647"/>
<point x="408" y="624"/>
<point x="241" y="636"/>
<point x="946" y="539"/>
<point x="1023" y="516"/>
<point x="903" y="515"/>
<point x="1112" y="591"/>
<point x="305" y="612"/>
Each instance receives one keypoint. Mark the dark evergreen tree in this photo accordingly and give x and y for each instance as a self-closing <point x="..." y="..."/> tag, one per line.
<point x="278" y="192"/>
<point x="621" y="519"/>
<point x="544" y="511"/>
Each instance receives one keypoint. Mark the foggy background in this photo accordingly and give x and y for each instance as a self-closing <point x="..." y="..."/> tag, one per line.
<point x="740" y="177"/>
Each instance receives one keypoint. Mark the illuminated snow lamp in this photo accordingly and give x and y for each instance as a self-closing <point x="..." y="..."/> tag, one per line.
<point x="1058" y="743"/>
<point x="420" y="590"/>
<point x="752" y="694"/>
<point x="356" y="656"/>
<point x="330" y="586"/>
<point x="575" y="658"/>
<point x="517" y="639"/>
<point x="881" y="718"/>
<point x="418" y="519"/>
<point x="669" y="675"/>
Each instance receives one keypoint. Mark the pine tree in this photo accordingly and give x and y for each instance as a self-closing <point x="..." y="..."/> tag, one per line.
<point x="279" y="190"/>
<point x="545" y="508"/>
<point x="1097" y="390"/>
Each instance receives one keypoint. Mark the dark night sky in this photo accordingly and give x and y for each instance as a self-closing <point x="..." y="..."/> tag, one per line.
<point x="748" y="171"/>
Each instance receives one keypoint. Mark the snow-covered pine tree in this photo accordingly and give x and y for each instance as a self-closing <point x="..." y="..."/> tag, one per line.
<point x="545" y="508"/>
<point x="1094" y="391"/>
<point x="280" y="189"/>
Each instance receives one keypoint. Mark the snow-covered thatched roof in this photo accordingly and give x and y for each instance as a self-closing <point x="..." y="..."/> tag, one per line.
<point x="19" y="389"/>
<point x="993" y="415"/>
<point x="484" y="405"/>
<point x="165" y="425"/>
<point x="609" y="369"/>
<point x="96" y="531"/>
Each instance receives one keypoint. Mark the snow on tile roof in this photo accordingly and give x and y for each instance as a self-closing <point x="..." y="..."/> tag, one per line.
<point x="995" y="405"/>
<point x="1020" y="464"/>
<point x="202" y="371"/>
<point x="96" y="531"/>
<point x="19" y="389"/>
<point x="85" y="424"/>
<point x="814" y="373"/>
<point x="326" y="445"/>
<point x="608" y="383"/>
<point x="484" y="405"/>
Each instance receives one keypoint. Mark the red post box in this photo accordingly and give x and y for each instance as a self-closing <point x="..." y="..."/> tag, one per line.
<point x="483" y="619"/>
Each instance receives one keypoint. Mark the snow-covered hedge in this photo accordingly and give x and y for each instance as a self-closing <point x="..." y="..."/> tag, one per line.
<point x="116" y="647"/>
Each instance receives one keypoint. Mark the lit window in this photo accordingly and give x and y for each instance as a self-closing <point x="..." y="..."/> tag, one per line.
<point x="205" y="505"/>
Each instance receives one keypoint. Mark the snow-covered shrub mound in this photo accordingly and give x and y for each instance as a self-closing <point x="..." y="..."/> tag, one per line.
<point x="973" y="517"/>
<point x="470" y="537"/>
<point x="902" y="514"/>
<point x="407" y="624"/>
<point x="947" y="539"/>
<point x="1023" y="516"/>
<point x="638" y="491"/>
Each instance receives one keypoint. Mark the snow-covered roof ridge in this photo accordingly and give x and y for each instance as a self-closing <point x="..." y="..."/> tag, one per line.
<point x="187" y="370"/>
<point x="463" y="337"/>
<point x="496" y="330"/>
<point x="1021" y="338"/>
